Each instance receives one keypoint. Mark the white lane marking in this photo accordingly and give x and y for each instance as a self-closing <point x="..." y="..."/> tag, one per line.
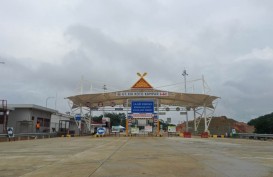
<point x="270" y="158"/>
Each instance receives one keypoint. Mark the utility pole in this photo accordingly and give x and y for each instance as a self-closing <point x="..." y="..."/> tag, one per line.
<point x="185" y="74"/>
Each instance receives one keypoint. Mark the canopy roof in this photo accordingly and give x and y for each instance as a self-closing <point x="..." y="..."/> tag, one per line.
<point x="121" y="97"/>
<point x="143" y="90"/>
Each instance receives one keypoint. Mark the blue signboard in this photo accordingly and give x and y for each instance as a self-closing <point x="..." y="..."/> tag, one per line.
<point x="78" y="117"/>
<point x="143" y="106"/>
<point x="100" y="130"/>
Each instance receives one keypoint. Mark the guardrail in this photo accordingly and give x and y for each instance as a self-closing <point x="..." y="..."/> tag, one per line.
<point x="255" y="135"/>
<point x="27" y="136"/>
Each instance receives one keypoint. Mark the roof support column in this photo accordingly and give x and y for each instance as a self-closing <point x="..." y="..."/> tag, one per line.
<point x="158" y="124"/>
<point x="127" y="127"/>
<point x="127" y="121"/>
<point x="205" y="119"/>
<point x="187" y="121"/>
<point x="194" y="116"/>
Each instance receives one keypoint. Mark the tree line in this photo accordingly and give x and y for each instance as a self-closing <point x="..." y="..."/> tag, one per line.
<point x="263" y="124"/>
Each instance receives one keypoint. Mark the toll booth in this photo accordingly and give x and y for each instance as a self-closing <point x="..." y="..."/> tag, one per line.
<point x="65" y="128"/>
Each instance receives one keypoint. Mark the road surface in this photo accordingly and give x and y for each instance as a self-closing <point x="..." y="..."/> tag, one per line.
<point x="136" y="157"/>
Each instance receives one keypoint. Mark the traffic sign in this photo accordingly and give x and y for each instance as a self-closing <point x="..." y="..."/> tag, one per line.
<point x="142" y="106"/>
<point x="100" y="130"/>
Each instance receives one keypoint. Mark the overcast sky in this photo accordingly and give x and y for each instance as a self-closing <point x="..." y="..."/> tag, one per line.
<point x="47" y="46"/>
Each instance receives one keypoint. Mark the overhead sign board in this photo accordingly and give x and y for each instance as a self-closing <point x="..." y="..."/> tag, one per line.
<point x="142" y="94"/>
<point x="142" y="106"/>
<point x="147" y="115"/>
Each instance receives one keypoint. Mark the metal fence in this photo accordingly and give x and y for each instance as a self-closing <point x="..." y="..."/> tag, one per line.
<point x="27" y="136"/>
<point x="255" y="136"/>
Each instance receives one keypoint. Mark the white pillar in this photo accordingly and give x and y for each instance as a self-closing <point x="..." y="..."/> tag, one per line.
<point x="205" y="119"/>
<point x="194" y="116"/>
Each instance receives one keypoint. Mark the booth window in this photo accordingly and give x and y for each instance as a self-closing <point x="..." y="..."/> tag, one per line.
<point x="44" y="122"/>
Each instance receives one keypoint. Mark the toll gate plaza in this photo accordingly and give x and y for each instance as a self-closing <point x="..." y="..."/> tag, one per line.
<point x="142" y="150"/>
<point x="136" y="156"/>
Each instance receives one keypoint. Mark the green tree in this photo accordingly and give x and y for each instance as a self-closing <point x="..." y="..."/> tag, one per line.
<point x="97" y="118"/>
<point x="263" y="124"/>
<point x="116" y="119"/>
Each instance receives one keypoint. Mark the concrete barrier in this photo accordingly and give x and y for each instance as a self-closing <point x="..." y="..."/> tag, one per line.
<point x="205" y="135"/>
<point x="187" y="134"/>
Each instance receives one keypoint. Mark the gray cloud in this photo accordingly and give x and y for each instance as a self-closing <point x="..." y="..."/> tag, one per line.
<point x="48" y="47"/>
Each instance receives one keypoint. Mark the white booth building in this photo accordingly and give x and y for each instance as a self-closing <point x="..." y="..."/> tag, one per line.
<point x="24" y="117"/>
<point x="59" y="120"/>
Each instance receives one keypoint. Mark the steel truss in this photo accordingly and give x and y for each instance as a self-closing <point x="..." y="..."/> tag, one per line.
<point x="204" y="113"/>
<point x="86" y="115"/>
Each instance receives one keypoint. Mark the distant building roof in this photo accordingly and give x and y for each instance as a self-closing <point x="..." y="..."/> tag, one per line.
<point x="8" y="108"/>
<point x="32" y="106"/>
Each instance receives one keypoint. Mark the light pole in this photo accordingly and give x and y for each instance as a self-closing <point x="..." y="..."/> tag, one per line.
<point x="48" y="99"/>
<point x="185" y="80"/>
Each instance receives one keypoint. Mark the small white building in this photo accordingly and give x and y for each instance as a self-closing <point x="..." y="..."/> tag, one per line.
<point x="23" y="118"/>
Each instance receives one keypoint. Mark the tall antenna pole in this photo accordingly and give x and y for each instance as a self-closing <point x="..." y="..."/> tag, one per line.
<point x="185" y="80"/>
<point x="185" y="74"/>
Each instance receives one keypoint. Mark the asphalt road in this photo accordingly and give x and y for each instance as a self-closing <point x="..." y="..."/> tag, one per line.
<point x="136" y="157"/>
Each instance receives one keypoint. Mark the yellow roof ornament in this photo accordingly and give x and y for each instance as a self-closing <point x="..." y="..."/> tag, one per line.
<point x="142" y="83"/>
<point x="142" y="75"/>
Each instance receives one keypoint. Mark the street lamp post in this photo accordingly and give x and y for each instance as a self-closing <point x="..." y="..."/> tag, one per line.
<point x="48" y="99"/>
